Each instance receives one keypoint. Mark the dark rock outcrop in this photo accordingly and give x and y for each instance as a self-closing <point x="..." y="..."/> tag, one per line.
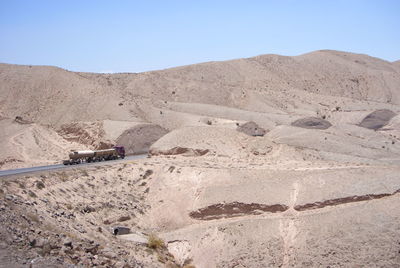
<point x="138" y="139"/>
<point x="312" y="123"/>
<point x="235" y="209"/>
<point x="180" y="150"/>
<point x="377" y="119"/>
<point x="251" y="129"/>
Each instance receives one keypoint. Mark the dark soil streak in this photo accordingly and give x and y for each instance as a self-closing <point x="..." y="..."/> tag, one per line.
<point x="343" y="200"/>
<point x="235" y="209"/>
<point x="180" y="150"/>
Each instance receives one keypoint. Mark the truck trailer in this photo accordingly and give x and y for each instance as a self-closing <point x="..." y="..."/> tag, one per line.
<point x="88" y="156"/>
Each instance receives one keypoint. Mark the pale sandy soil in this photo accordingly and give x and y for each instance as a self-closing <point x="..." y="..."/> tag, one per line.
<point x="248" y="212"/>
<point x="320" y="189"/>
<point x="271" y="90"/>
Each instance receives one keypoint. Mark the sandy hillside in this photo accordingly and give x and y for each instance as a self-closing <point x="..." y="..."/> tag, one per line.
<point x="315" y="82"/>
<point x="269" y="161"/>
<point x="271" y="90"/>
<point x="396" y="63"/>
<point x="30" y="144"/>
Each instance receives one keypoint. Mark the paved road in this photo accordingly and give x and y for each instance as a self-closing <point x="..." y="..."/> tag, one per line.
<point x="61" y="166"/>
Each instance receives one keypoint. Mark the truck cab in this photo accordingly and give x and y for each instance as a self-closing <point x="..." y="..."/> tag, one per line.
<point x="120" y="151"/>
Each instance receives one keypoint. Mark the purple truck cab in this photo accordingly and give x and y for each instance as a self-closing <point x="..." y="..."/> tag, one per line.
<point x="120" y="151"/>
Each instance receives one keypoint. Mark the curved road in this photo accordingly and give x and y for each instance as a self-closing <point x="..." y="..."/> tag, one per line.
<point x="10" y="172"/>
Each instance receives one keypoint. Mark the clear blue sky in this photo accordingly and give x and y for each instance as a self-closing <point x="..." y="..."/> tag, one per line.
<point x="136" y="36"/>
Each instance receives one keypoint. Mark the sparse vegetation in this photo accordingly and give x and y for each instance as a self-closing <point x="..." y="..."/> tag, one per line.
<point x="154" y="242"/>
<point x="40" y="185"/>
<point x="33" y="217"/>
<point x="45" y="250"/>
<point x="147" y="174"/>
<point x="21" y="184"/>
<point x="32" y="194"/>
<point x="171" y="169"/>
<point x="188" y="263"/>
<point x="63" y="176"/>
<point x="124" y="218"/>
<point x="161" y="258"/>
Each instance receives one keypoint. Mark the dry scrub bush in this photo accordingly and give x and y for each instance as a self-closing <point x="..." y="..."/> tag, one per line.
<point x="33" y="217"/>
<point x="161" y="259"/>
<point x="155" y="242"/>
<point x="32" y="194"/>
<point x="63" y="176"/>
<point x="21" y="184"/>
<point x="147" y="174"/>
<point x="40" y="185"/>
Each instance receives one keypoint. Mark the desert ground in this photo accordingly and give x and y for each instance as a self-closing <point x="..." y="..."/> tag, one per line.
<point x="270" y="161"/>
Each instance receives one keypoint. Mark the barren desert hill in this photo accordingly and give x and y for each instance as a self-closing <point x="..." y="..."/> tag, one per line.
<point x="269" y="161"/>
<point x="93" y="109"/>
<point x="49" y="95"/>
<point x="396" y="63"/>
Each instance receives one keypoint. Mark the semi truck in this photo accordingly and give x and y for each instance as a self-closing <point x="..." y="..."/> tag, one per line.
<point x="88" y="156"/>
